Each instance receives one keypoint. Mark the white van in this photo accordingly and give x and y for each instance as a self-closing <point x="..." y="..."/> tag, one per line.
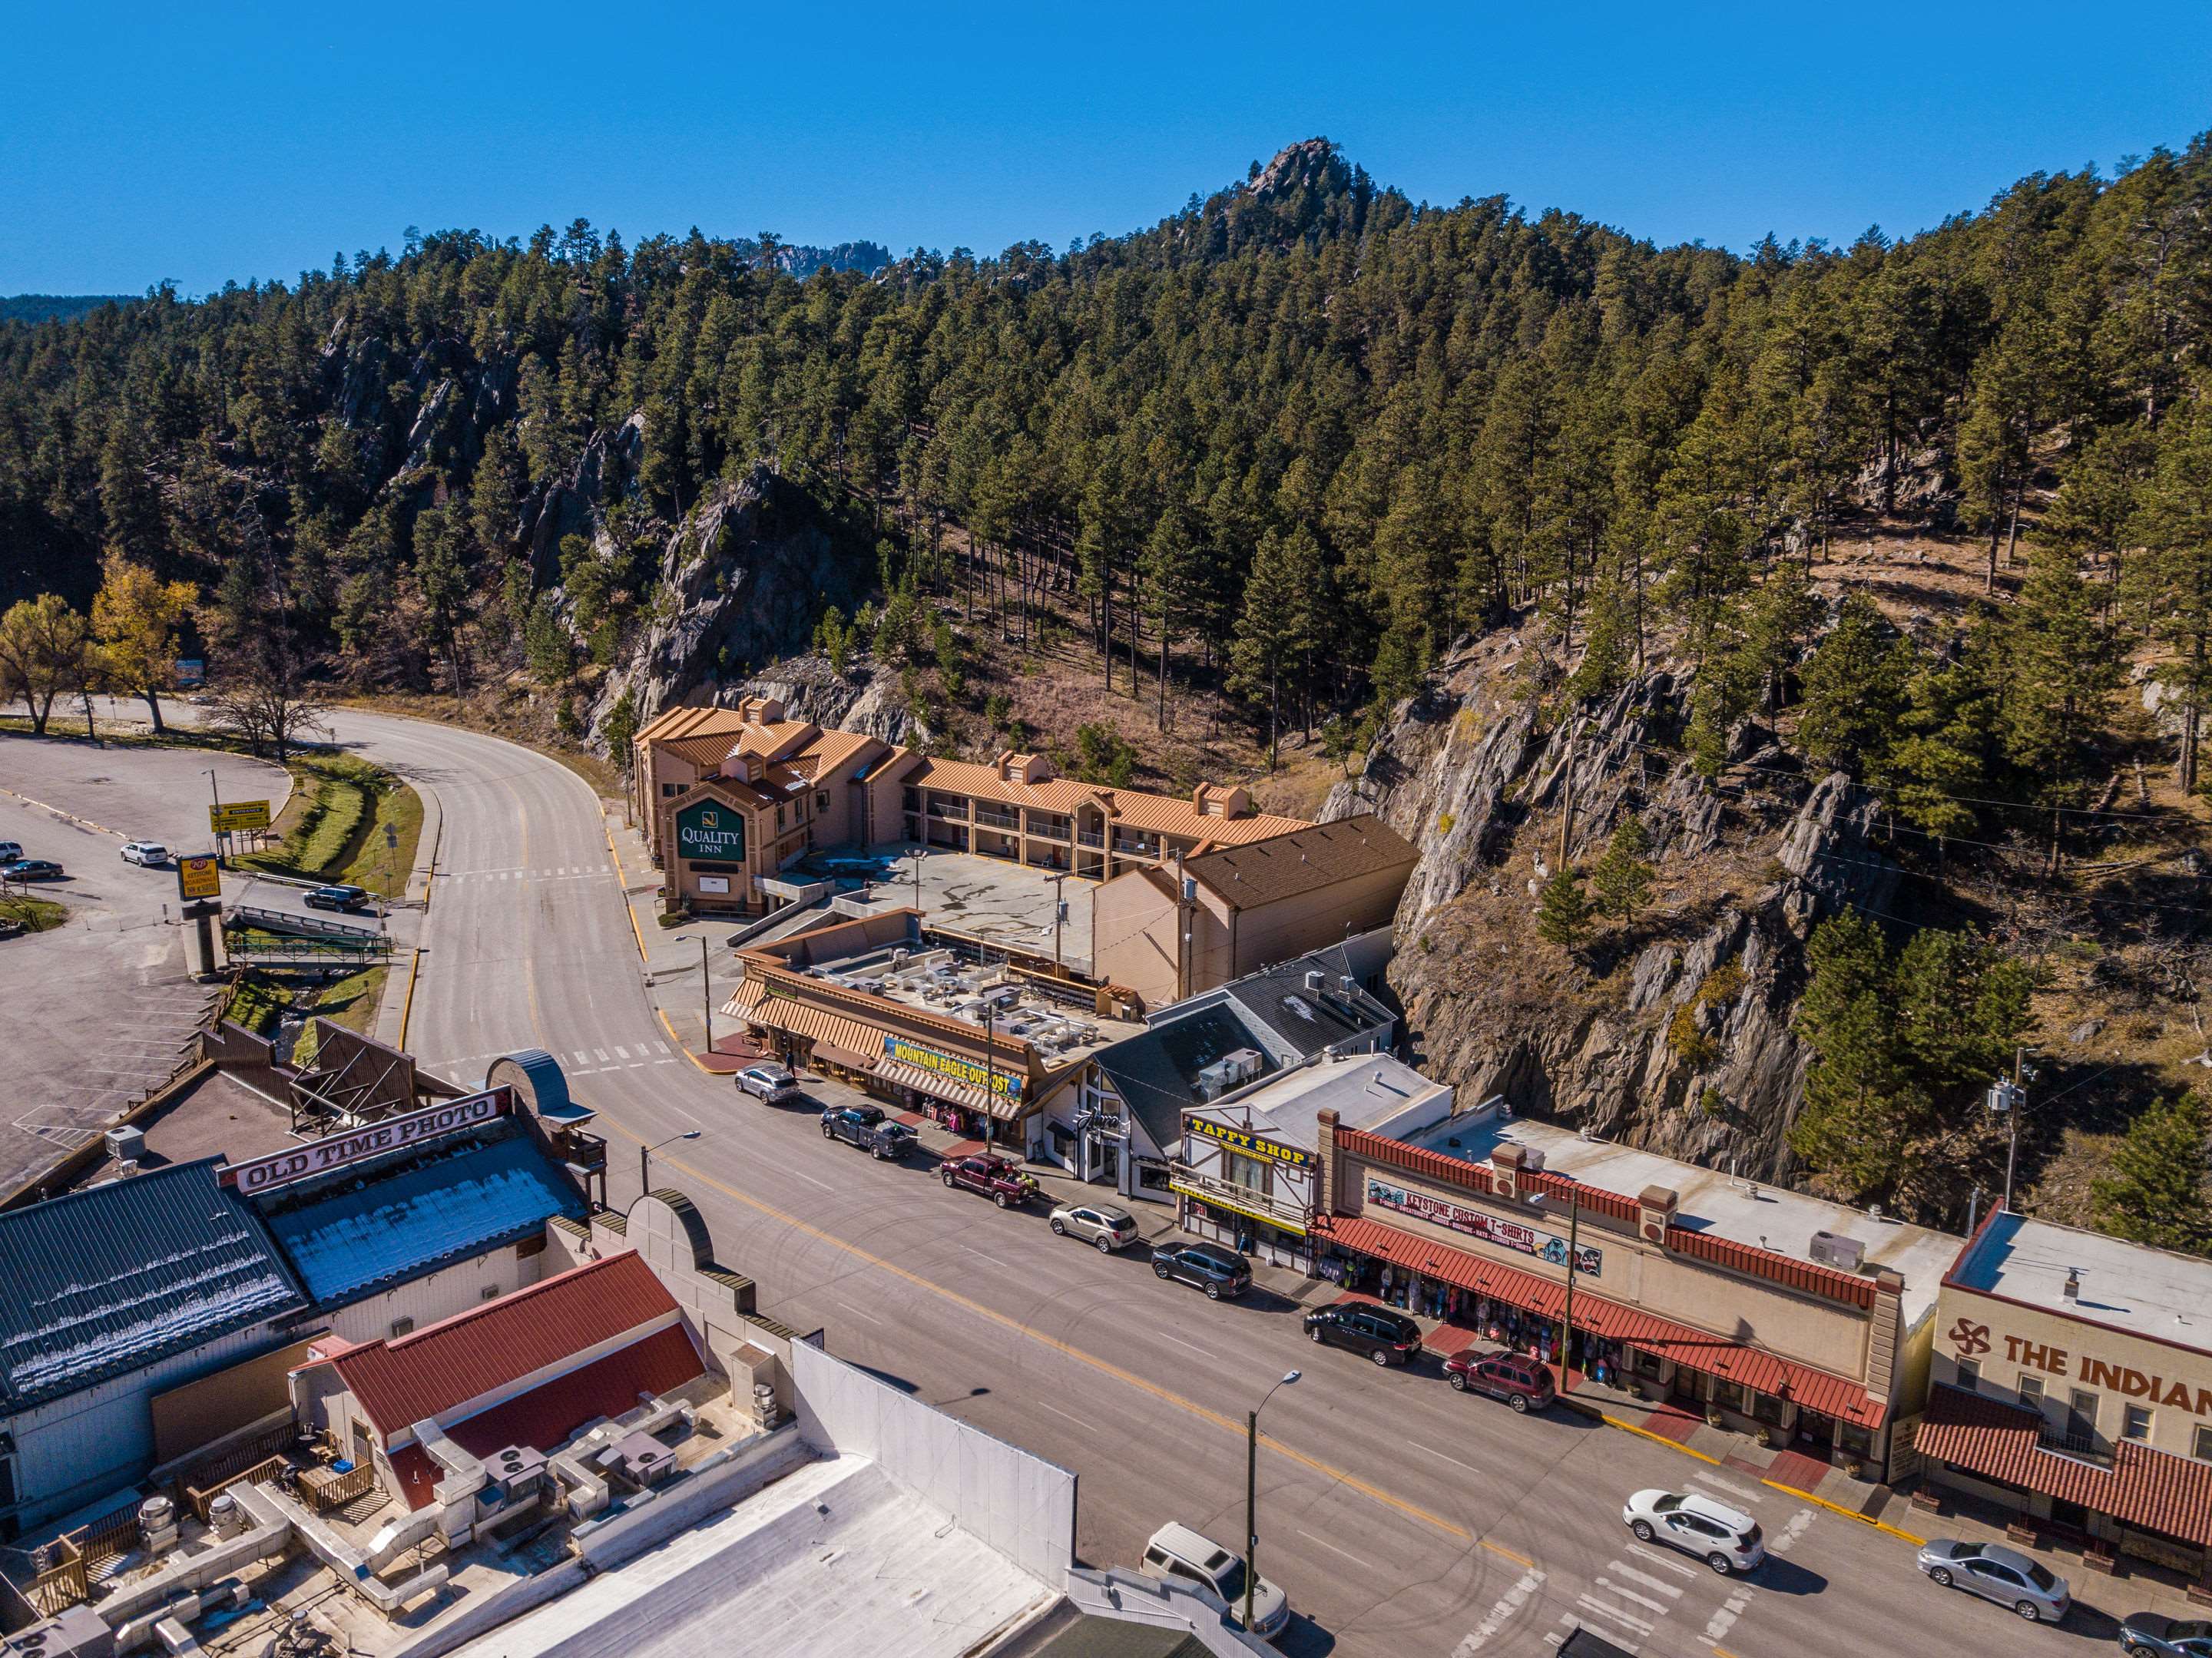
<point x="1178" y="1552"/>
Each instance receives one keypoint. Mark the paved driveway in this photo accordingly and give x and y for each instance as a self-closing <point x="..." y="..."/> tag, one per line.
<point x="97" y="1011"/>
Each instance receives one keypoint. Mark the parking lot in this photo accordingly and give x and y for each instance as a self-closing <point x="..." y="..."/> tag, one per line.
<point x="98" y="1011"/>
<point x="993" y="901"/>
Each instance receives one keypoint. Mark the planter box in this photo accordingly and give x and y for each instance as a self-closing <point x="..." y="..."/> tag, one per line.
<point x="2021" y="1532"/>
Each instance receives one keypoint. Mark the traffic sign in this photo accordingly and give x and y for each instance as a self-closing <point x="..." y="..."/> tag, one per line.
<point x="238" y="814"/>
<point x="392" y="837"/>
<point x="198" y="877"/>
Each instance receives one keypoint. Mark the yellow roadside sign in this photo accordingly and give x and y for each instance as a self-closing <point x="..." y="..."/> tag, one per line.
<point x="199" y="877"/>
<point x="238" y="814"/>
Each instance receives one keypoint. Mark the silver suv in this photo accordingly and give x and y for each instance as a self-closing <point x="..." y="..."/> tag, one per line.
<point x="149" y="854"/>
<point x="771" y="1084"/>
<point x="1107" y="1225"/>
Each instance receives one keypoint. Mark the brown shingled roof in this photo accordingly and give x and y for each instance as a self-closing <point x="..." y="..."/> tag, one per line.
<point x="1284" y="866"/>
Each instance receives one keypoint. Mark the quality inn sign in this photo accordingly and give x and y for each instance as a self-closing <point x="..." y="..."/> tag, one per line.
<point x="711" y="831"/>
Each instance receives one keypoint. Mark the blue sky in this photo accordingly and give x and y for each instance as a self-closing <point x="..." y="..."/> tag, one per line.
<point x="224" y="141"/>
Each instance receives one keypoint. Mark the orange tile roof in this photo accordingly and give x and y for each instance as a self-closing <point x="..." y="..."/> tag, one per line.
<point x="689" y="721"/>
<point x="1161" y="814"/>
<point x="443" y="1366"/>
<point x="773" y="742"/>
<point x="706" y="751"/>
<point x="832" y="749"/>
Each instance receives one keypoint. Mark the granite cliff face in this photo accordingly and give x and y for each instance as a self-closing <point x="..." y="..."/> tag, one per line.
<point x="1676" y="1035"/>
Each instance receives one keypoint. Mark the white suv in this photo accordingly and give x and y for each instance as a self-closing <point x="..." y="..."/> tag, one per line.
<point x="1177" y="1551"/>
<point x="1723" y="1539"/>
<point x="150" y="854"/>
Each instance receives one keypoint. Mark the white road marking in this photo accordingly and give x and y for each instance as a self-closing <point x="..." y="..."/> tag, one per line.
<point x="1681" y="1567"/>
<point x="809" y="1179"/>
<point x="1730" y="1486"/>
<point x="1723" y="1620"/>
<point x="1365" y="1566"/>
<point x="600" y="1054"/>
<point x="1612" y="1587"/>
<point x="1064" y="1415"/>
<point x="1644" y="1577"/>
<point x="1193" y="1345"/>
<point x="1508" y="1603"/>
<point x="857" y="1313"/>
<point x="621" y="1053"/>
<point x="1787" y="1539"/>
<point x="1606" y="1609"/>
<point x="1433" y="1451"/>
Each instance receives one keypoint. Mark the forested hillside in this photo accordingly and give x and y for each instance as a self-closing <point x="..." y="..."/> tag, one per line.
<point x="1280" y="451"/>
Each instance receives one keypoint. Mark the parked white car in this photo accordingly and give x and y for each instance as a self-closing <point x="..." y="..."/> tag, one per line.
<point x="1724" y="1537"/>
<point x="147" y="854"/>
<point x="1178" y="1552"/>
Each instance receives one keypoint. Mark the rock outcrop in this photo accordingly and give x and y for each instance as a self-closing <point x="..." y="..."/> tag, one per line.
<point x="740" y="585"/>
<point x="1677" y="1035"/>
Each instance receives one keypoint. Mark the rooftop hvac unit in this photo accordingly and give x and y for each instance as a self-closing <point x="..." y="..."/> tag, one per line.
<point x="1232" y="1070"/>
<point x="512" y="1476"/>
<point x="1316" y="980"/>
<point x="901" y="954"/>
<point x="78" y="1632"/>
<point x="1834" y="1250"/>
<point x="126" y="1144"/>
<point x="1532" y="1160"/>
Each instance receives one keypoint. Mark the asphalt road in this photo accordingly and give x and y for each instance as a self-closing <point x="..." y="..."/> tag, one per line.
<point x="1402" y="1517"/>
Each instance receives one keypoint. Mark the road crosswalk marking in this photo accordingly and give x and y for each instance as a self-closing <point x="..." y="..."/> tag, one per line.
<point x="1725" y="1620"/>
<point x="1606" y="1609"/>
<point x="1645" y="1601"/>
<point x="1667" y="1561"/>
<point x="1508" y="1603"/>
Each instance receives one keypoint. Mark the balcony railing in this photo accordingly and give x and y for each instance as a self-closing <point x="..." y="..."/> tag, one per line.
<point x="1048" y="829"/>
<point x="1004" y="820"/>
<point x="2074" y="1441"/>
<point x="1089" y="838"/>
<point x="1135" y="848"/>
<point x="1237" y="1197"/>
<point x="956" y="809"/>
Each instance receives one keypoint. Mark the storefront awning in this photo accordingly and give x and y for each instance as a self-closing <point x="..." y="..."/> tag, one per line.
<point x="967" y="1097"/>
<point x="2154" y="1490"/>
<point x="852" y="1040"/>
<point x="1749" y="1367"/>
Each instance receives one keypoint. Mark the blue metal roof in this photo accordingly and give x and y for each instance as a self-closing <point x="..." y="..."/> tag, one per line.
<point x="383" y="1229"/>
<point x="549" y="1085"/>
<point x="102" y="1282"/>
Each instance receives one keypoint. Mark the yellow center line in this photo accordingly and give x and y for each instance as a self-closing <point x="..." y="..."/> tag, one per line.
<point x="1329" y="1471"/>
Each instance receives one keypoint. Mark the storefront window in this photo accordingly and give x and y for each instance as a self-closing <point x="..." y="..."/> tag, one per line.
<point x="1728" y="1393"/>
<point x="1858" y="1442"/>
<point x="1251" y="1173"/>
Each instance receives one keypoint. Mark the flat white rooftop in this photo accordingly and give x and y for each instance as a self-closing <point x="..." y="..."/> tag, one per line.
<point x="992" y="901"/>
<point x="1369" y="1092"/>
<point x="2127" y="1286"/>
<point x="835" y="1560"/>
<point x="1711" y="1200"/>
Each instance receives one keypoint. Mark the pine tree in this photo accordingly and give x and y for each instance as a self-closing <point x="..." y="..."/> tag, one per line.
<point x="1563" y="911"/>
<point x="1854" y="690"/>
<point x="1621" y="878"/>
<point x="1275" y="630"/>
<point x="2176" y="526"/>
<point x="2156" y="1193"/>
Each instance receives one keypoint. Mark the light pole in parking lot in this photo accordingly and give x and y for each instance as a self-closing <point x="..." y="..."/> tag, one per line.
<point x="1252" y="1494"/>
<point x="215" y="789"/>
<point x="645" y="1154"/>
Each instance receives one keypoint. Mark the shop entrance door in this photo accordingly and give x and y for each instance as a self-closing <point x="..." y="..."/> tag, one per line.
<point x="1816" y="1434"/>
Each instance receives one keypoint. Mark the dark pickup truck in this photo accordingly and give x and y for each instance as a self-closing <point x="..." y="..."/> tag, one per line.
<point x="865" y="1126"/>
<point x="995" y="1177"/>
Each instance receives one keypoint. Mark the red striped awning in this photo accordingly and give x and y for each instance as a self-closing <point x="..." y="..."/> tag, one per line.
<point x="1750" y="1367"/>
<point x="2155" y="1490"/>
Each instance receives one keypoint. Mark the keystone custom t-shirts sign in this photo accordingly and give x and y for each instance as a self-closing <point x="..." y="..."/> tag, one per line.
<point x="711" y="832"/>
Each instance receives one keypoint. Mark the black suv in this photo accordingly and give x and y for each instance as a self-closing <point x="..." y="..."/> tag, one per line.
<point x="1386" y="1337"/>
<point x="1208" y="1266"/>
<point x="864" y="1125"/>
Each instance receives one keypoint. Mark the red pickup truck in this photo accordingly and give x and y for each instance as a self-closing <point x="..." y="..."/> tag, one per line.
<point x="995" y="1177"/>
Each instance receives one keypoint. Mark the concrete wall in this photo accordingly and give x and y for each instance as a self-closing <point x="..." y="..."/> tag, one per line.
<point x="1132" y="939"/>
<point x="1312" y="921"/>
<point x="441" y="1294"/>
<point x="1020" y="1505"/>
<point x="1833" y="1337"/>
<point x="2174" y="1384"/>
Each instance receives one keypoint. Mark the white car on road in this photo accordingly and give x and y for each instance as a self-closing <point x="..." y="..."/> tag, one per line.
<point x="1178" y="1552"/>
<point x="1725" y="1539"/>
<point x="147" y="854"/>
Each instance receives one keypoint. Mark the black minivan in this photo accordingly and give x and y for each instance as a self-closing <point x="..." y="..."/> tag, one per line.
<point x="1386" y="1337"/>
<point x="1208" y="1266"/>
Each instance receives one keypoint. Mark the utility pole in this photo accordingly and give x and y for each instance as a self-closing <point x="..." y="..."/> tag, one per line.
<point x="221" y="836"/>
<point x="1182" y="931"/>
<point x="990" y="1067"/>
<point x="2010" y="1099"/>
<point x="705" y="992"/>
<point x="1059" y="914"/>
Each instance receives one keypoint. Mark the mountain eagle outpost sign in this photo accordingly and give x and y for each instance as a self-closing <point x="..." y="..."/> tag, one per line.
<point x="710" y="832"/>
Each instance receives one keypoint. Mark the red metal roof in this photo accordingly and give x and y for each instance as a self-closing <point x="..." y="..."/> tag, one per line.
<point x="546" y="1415"/>
<point x="2155" y="1490"/>
<point x="1682" y="1240"/>
<point x="439" y="1368"/>
<point x="1767" y="1373"/>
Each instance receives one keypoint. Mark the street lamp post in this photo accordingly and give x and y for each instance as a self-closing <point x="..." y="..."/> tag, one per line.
<point x="645" y="1155"/>
<point x="217" y="789"/>
<point x="1252" y="1494"/>
<point x="1567" y="1313"/>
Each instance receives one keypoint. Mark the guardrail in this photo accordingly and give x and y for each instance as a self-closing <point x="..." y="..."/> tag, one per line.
<point x="311" y="950"/>
<point x="285" y="921"/>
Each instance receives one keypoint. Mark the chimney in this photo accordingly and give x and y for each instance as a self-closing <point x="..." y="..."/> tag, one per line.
<point x="1655" y="1207"/>
<point x="1884" y="1334"/>
<point x="1324" y="1190"/>
<point x="2072" y="1290"/>
<point x="1506" y="1162"/>
<point x="1002" y="764"/>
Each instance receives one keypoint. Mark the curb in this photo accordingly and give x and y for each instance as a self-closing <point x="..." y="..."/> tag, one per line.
<point x="621" y="881"/>
<point x="696" y="1061"/>
<point x="407" y="1007"/>
<point x="66" y="817"/>
<point x="1848" y="1514"/>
